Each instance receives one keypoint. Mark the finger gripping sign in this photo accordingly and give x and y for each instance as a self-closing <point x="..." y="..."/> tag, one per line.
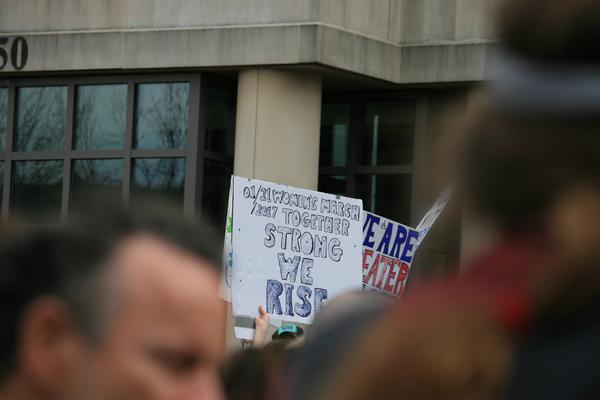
<point x="388" y="252"/>
<point x="292" y="249"/>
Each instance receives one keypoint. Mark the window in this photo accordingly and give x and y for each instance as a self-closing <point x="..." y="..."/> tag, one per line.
<point x="1" y="180"/>
<point x="3" y="115"/>
<point x="37" y="187"/>
<point x="132" y="138"/>
<point x="335" y="129"/>
<point x="100" y="178"/>
<point x="161" y="120"/>
<point x="3" y="133"/>
<point x="216" y="190"/>
<point x="41" y="116"/>
<point x="387" y="137"/>
<point x="220" y="120"/>
<point x="100" y="117"/>
<point x="161" y="179"/>
<point x="367" y="149"/>
<point x="218" y="147"/>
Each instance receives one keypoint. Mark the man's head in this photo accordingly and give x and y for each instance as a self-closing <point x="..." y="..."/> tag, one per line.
<point x="535" y="138"/>
<point x="114" y="306"/>
<point x="551" y="31"/>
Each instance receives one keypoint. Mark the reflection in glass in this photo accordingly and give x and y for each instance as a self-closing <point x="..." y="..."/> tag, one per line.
<point x="335" y="126"/>
<point x="386" y="195"/>
<point x="100" y="117"/>
<point x="161" y="115"/>
<point x="37" y="188"/>
<point x="334" y="184"/>
<point x="215" y="191"/>
<point x="158" y="179"/>
<point x="41" y="115"/>
<point x="3" y="116"/>
<point x="96" y="179"/>
<point x="388" y="136"/>
<point x="220" y="120"/>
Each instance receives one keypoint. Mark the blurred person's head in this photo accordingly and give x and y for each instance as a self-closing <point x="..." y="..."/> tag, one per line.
<point x="516" y="171"/>
<point x="529" y="152"/>
<point x="245" y="376"/>
<point x="552" y="31"/>
<point x="261" y="374"/>
<point x="340" y="325"/>
<point x="432" y="351"/>
<point x="110" y="306"/>
<point x="532" y="143"/>
<point x="528" y="157"/>
<point x="287" y="332"/>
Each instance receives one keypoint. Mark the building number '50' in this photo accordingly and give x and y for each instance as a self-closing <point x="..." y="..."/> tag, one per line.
<point x="16" y="52"/>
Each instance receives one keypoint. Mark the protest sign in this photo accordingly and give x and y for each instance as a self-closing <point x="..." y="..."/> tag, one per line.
<point x="434" y="212"/>
<point x="388" y="251"/>
<point x="292" y="249"/>
<point x="227" y="249"/>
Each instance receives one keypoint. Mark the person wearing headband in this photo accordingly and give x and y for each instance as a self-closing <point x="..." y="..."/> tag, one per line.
<point x="288" y="331"/>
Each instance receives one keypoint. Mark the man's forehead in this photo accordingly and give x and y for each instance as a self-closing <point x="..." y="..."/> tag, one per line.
<point x="149" y="265"/>
<point x="167" y="295"/>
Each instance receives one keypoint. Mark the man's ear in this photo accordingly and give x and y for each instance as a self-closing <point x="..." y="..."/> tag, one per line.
<point x="50" y="347"/>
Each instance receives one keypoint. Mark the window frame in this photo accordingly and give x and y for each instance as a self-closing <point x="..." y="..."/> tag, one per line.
<point x="194" y="153"/>
<point x="353" y="169"/>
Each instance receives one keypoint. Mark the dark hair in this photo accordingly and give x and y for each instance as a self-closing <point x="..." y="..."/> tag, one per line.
<point x="260" y="374"/>
<point x="245" y="375"/>
<point x="515" y="166"/>
<point x="513" y="170"/>
<point x="67" y="260"/>
<point x="564" y="31"/>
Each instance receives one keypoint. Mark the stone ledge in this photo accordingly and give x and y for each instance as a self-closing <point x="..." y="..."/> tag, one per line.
<point x="283" y="44"/>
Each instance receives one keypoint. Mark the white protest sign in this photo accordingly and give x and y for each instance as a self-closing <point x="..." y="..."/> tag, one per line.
<point x="227" y="249"/>
<point x="434" y="212"/>
<point x="388" y="251"/>
<point x="292" y="249"/>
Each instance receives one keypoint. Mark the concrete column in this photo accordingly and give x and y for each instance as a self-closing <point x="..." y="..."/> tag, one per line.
<point x="278" y="126"/>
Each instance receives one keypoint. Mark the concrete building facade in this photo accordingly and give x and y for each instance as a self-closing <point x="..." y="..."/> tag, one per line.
<point x="131" y="98"/>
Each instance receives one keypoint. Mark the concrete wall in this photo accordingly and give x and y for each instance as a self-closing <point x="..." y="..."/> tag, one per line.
<point x="66" y="15"/>
<point x="412" y="21"/>
<point x="427" y="21"/>
<point x="401" y="41"/>
<point x="397" y="21"/>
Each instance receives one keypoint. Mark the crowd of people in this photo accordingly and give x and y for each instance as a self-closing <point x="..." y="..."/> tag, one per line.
<point x="115" y="304"/>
